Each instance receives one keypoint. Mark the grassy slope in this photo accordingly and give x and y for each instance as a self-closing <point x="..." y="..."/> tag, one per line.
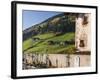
<point x="27" y="44"/>
<point x="43" y="47"/>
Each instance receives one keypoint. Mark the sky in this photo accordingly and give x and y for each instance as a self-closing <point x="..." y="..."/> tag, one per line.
<point x="31" y="17"/>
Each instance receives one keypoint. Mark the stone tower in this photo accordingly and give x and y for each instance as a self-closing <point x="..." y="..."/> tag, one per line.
<point x="83" y="32"/>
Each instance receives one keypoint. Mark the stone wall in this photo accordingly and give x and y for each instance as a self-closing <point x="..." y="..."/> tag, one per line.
<point x="57" y="60"/>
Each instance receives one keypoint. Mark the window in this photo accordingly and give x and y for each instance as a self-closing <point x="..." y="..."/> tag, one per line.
<point x="82" y="43"/>
<point x="83" y="40"/>
<point x="85" y="20"/>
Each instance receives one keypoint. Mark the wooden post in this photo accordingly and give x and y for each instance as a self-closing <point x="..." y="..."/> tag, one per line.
<point x="68" y="60"/>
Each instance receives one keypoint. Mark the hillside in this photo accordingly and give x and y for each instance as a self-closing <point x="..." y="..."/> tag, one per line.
<point x="54" y="35"/>
<point x="60" y="23"/>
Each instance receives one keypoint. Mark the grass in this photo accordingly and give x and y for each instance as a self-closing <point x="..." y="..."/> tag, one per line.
<point x="27" y="44"/>
<point x="44" y="36"/>
<point x="44" y="47"/>
<point x="64" y="37"/>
